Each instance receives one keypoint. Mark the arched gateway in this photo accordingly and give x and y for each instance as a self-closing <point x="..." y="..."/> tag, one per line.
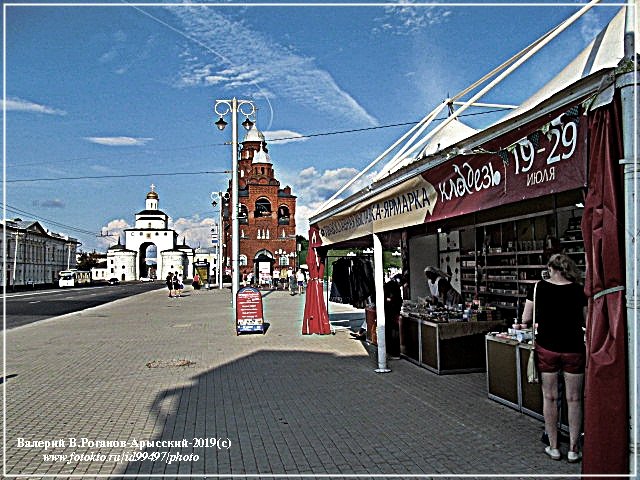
<point x="150" y="248"/>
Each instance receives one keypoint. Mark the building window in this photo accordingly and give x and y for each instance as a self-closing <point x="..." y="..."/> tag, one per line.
<point x="284" y="261"/>
<point x="283" y="215"/>
<point x="263" y="208"/>
<point x="243" y="261"/>
<point x="243" y="214"/>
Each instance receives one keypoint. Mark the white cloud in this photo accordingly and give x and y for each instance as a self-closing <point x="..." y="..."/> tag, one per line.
<point x="111" y="232"/>
<point x="407" y="18"/>
<point x="119" y="141"/>
<point x="313" y="188"/>
<point x="272" y="68"/>
<point x="283" y="136"/>
<point x="20" y="105"/>
<point x="122" y="54"/>
<point x="590" y="26"/>
<point x="51" y="203"/>
<point x="195" y="231"/>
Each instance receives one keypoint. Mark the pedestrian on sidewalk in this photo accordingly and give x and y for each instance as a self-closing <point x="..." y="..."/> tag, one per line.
<point x="559" y="307"/>
<point x="292" y="282"/>
<point x="180" y="284"/>
<point x="176" y="285"/>
<point x="169" y="282"/>
<point x="276" y="278"/>
<point x="300" y="280"/>
<point x="392" y="307"/>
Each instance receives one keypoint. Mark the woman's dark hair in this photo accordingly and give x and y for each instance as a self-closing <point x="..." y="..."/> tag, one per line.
<point x="565" y="266"/>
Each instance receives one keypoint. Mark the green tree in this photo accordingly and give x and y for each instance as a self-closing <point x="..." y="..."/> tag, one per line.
<point x="86" y="261"/>
<point x="302" y="246"/>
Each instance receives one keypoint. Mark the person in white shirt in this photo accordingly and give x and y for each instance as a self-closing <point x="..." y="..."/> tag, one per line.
<point x="300" y="279"/>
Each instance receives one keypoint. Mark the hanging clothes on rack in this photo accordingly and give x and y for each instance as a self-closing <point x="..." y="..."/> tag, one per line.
<point x="362" y="282"/>
<point x="340" y="281"/>
<point x="352" y="281"/>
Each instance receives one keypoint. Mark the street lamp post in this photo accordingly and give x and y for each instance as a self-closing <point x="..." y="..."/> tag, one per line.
<point x="220" y="232"/>
<point x="15" y="261"/>
<point x="246" y="108"/>
<point x="69" y="244"/>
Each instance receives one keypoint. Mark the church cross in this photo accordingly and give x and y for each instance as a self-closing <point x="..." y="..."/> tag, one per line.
<point x="152" y="187"/>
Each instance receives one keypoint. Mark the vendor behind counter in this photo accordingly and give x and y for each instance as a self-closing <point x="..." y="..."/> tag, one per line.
<point x="439" y="288"/>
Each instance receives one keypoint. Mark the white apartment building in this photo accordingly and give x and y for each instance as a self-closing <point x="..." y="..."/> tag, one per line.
<point x="34" y="255"/>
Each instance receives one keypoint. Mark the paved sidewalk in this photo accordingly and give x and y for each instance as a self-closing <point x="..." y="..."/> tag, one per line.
<point x="173" y="372"/>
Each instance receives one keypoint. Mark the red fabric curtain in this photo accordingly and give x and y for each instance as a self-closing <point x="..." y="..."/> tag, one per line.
<point x="606" y="423"/>
<point x="316" y="318"/>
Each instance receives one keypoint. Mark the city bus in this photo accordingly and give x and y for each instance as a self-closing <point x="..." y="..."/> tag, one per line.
<point x="74" y="278"/>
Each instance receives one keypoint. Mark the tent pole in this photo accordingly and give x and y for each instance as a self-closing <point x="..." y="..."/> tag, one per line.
<point x="631" y="139"/>
<point x="521" y="57"/>
<point x="374" y="162"/>
<point x="532" y="51"/>
<point x="397" y="158"/>
<point x="378" y="275"/>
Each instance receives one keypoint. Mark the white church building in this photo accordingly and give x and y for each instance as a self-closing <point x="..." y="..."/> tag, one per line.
<point x="150" y="248"/>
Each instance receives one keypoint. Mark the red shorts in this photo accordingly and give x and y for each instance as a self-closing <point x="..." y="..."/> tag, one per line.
<point x="552" y="362"/>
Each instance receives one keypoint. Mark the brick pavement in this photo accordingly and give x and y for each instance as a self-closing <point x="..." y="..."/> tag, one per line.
<point x="287" y="403"/>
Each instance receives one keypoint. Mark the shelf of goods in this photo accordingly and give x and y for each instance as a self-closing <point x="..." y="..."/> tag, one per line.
<point x="440" y="341"/>
<point x="499" y="262"/>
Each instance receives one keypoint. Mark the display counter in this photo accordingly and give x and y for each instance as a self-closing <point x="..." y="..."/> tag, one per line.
<point x="445" y="347"/>
<point x="507" y="375"/>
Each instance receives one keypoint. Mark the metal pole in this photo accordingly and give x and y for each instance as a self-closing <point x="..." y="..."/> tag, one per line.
<point x="234" y="106"/>
<point x="15" y="262"/>
<point x="378" y="269"/>
<point x="630" y="138"/>
<point x="235" y="239"/>
<point x="220" y="236"/>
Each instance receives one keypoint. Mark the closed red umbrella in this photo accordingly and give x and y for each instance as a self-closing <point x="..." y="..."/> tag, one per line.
<point x="606" y="420"/>
<point x="316" y="318"/>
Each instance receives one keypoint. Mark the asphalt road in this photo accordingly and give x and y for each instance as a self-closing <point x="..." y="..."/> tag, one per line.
<point x="27" y="307"/>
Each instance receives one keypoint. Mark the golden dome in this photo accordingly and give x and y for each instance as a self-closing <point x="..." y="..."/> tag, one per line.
<point x="152" y="194"/>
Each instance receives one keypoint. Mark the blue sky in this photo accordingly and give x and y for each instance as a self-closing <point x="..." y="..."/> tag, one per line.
<point x="118" y="93"/>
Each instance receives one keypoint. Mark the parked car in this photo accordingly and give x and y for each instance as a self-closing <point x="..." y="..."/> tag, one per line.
<point x="146" y="279"/>
<point x="113" y="281"/>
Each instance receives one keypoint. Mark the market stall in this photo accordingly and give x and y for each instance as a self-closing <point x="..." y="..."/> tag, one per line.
<point x="490" y="207"/>
<point x="444" y="340"/>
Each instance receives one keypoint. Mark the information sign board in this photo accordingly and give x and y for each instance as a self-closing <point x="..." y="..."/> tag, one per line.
<point x="249" y="317"/>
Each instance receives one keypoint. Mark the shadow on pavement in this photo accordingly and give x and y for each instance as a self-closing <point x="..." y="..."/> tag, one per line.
<point x="348" y="320"/>
<point x="289" y="412"/>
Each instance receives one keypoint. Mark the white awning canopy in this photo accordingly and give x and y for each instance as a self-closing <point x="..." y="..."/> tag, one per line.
<point x="417" y="151"/>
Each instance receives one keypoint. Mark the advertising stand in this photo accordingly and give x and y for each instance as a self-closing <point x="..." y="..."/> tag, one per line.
<point x="249" y="317"/>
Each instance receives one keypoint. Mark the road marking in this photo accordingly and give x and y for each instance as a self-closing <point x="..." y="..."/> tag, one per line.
<point x="45" y="292"/>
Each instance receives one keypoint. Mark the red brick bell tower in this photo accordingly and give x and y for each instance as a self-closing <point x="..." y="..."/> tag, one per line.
<point x="267" y="223"/>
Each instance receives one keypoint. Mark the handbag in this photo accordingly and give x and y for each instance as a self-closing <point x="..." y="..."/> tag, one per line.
<point x="532" y="366"/>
